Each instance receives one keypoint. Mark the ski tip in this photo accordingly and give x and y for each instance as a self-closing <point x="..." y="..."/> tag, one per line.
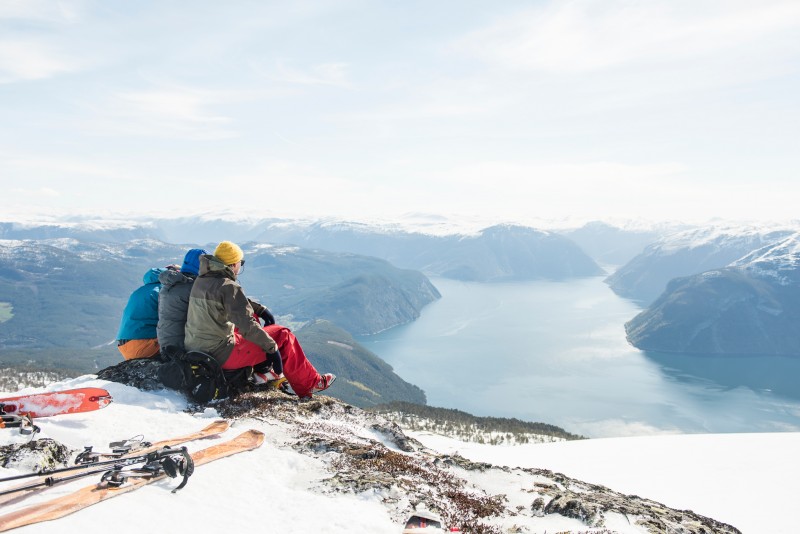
<point x="102" y="399"/>
<point x="220" y="425"/>
<point x="256" y="437"/>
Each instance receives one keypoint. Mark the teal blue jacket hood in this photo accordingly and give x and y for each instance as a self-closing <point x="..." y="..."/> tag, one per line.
<point x="140" y="316"/>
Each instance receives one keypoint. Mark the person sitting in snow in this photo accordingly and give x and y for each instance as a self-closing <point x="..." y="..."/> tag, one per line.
<point x="136" y="337"/>
<point x="173" y="301"/>
<point x="222" y="322"/>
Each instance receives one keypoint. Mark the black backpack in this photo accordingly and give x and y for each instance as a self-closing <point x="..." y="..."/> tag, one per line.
<point x="200" y="377"/>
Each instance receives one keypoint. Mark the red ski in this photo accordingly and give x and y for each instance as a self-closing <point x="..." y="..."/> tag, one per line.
<point x="56" y="402"/>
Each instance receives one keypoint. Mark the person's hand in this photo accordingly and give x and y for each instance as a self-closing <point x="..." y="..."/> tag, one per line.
<point x="268" y="317"/>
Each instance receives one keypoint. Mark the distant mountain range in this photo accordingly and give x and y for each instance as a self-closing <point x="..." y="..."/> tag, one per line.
<point x="644" y="278"/>
<point x="63" y="285"/>
<point x="706" y="290"/>
<point x="69" y="293"/>
<point x="497" y="253"/>
<point x="615" y="246"/>
<point x="751" y="306"/>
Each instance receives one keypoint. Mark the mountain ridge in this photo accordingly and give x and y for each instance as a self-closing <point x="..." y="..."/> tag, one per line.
<point x="750" y="307"/>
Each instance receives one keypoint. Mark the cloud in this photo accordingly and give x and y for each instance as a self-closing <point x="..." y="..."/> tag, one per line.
<point x="52" y="166"/>
<point x="37" y="192"/>
<point x="333" y="74"/>
<point x="31" y="48"/>
<point x="39" y="10"/>
<point x="174" y="112"/>
<point x="179" y="105"/>
<point x="26" y="59"/>
<point x="600" y="34"/>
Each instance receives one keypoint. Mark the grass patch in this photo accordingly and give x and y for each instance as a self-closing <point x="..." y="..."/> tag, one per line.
<point x="5" y="311"/>
<point x="362" y="387"/>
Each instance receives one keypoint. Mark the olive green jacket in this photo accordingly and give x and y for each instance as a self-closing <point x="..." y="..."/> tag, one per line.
<point x="217" y="305"/>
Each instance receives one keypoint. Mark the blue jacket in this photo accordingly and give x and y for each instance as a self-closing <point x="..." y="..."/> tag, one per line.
<point x="140" y="317"/>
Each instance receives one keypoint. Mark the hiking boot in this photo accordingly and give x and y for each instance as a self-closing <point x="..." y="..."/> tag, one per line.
<point x="325" y="382"/>
<point x="268" y="377"/>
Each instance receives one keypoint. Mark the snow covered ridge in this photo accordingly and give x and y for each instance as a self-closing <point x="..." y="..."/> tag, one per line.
<point x="778" y="261"/>
<point x="329" y="464"/>
<point x="32" y="249"/>
<point x="720" y="236"/>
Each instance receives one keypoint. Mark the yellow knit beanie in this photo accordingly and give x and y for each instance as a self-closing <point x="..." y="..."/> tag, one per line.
<point x="228" y="252"/>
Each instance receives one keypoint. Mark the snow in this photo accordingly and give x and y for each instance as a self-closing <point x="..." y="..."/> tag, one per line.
<point x="747" y="480"/>
<point x="719" y="236"/>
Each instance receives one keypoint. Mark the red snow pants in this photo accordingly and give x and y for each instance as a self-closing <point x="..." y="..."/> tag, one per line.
<point x="299" y="372"/>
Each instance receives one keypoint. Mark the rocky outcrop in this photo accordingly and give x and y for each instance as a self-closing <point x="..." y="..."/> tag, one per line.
<point x="386" y="462"/>
<point x="141" y="373"/>
<point x="407" y="474"/>
<point x="35" y="455"/>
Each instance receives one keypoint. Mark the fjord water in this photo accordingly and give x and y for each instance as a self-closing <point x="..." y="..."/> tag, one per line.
<point x="555" y="352"/>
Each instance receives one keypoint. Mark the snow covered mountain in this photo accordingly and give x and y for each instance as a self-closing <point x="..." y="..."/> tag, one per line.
<point x="496" y="253"/>
<point x="689" y="252"/>
<point x="617" y="245"/>
<point x="86" y="284"/>
<point x="329" y="467"/>
<point x="433" y="246"/>
<point x="751" y="306"/>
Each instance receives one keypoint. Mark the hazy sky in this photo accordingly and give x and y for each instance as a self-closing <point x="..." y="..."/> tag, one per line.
<point x="677" y="109"/>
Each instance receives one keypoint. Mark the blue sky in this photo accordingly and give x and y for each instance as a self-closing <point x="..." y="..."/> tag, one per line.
<point x="595" y="109"/>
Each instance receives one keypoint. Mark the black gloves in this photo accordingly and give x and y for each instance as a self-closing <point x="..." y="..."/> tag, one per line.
<point x="268" y="317"/>
<point x="274" y="360"/>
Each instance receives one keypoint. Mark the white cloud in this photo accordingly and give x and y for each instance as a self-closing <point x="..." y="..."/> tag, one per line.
<point x="179" y="105"/>
<point x="33" y="50"/>
<point x="556" y="189"/>
<point x="334" y="74"/>
<point x="40" y="10"/>
<point x="36" y="193"/>
<point x="26" y="59"/>
<point x="52" y="166"/>
<point x="599" y="34"/>
<point x="174" y="112"/>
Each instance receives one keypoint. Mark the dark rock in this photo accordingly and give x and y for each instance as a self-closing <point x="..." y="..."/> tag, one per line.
<point x="141" y="373"/>
<point x="37" y="455"/>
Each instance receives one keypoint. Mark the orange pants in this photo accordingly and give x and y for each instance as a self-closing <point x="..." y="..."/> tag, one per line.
<point x="139" y="348"/>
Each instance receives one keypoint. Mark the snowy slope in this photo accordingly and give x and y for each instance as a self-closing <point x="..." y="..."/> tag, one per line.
<point x="747" y="481"/>
<point x="690" y="252"/>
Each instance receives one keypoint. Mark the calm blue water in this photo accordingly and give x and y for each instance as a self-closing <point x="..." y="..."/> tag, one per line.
<point x="556" y="352"/>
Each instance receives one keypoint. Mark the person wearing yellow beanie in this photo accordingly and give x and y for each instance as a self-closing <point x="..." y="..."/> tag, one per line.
<point x="222" y="322"/>
<point x="229" y="253"/>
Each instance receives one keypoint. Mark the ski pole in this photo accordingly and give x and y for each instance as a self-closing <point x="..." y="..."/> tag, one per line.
<point x="116" y="476"/>
<point x="52" y="481"/>
<point x="151" y="456"/>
